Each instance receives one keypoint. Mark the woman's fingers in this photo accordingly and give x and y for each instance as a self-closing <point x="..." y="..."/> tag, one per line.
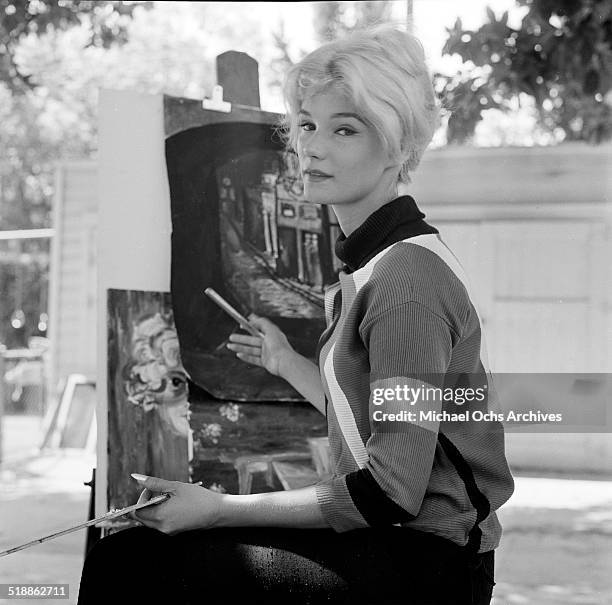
<point x="253" y="351"/>
<point x="255" y="360"/>
<point x="262" y="323"/>
<point x="145" y="495"/>
<point x="264" y="351"/>
<point x="245" y="339"/>
<point x="247" y="348"/>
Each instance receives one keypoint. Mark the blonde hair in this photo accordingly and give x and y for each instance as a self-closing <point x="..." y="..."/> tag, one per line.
<point x="382" y="70"/>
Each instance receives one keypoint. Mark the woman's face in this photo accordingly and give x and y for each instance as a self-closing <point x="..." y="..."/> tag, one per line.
<point x="334" y="140"/>
<point x="157" y="378"/>
<point x="174" y="405"/>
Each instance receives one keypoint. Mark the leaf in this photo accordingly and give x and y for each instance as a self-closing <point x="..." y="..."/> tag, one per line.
<point x="602" y="11"/>
<point x="591" y="82"/>
<point x="577" y="63"/>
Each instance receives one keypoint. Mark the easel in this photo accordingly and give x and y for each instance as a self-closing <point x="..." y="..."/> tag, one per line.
<point x="238" y="79"/>
<point x="122" y="264"/>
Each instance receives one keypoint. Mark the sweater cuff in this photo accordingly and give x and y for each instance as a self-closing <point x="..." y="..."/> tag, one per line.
<point x="337" y="506"/>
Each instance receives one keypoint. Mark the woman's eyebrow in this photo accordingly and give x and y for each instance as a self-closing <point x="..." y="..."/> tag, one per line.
<point x="342" y="114"/>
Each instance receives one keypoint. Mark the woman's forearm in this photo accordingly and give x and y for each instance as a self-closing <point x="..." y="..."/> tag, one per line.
<point x="297" y="508"/>
<point x="303" y="375"/>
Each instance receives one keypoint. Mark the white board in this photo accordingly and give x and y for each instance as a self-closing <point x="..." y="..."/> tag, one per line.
<point x="134" y="225"/>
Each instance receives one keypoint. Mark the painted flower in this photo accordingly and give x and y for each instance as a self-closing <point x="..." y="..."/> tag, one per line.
<point x="141" y="350"/>
<point x="149" y="327"/>
<point x="212" y="432"/>
<point x="231" y="411"/>
<point x="151" y="373"/>
<point x="168" y="344"/>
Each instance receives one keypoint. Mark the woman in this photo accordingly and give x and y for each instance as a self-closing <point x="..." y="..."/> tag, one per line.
<point x="409" y="514"/>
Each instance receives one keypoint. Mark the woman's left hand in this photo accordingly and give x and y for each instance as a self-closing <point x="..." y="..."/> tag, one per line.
<point x="189" y="506"/>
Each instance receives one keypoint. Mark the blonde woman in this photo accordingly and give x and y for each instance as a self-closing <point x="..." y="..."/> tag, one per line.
<point x="409" y="514"/>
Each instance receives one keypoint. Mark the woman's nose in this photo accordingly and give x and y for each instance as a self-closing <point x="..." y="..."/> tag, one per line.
<point x="314" y="146"/>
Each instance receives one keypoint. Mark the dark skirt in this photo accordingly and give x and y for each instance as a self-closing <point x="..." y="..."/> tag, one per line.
<point x="289" y="566"/>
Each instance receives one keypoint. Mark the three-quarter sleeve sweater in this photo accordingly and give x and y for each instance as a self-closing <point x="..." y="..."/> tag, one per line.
<point x="400" y="318"/>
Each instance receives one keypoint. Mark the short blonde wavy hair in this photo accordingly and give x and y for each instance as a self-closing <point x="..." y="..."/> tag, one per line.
<point x="382" y="70"/>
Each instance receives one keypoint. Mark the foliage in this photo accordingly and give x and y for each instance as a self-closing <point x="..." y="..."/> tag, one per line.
<point x="330" y="20"/>
<point x="169" y="49"/>
<point x="60" y="57"/>
<point x="561" y="56"/>
<point x="467" y="97"/>
<point x="283" y="61"/>
<point x="41" y="122"/>
<point x="335" y="19"/>
<point x="107" y="24"/>
<point x="24" y="275"/>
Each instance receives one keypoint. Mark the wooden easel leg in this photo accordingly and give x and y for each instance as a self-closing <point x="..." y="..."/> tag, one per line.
<point x="93" y="533"/>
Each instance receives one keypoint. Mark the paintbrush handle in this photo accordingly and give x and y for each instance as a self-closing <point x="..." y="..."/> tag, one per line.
<point x="238" y="317"/>
<point x="106" y="517"/>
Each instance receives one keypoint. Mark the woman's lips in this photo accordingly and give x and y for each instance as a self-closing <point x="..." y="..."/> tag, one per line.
<point x="315" y="178"/>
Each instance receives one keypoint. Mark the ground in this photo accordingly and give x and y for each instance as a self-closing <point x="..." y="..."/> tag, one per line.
<point x="556" y="548"/>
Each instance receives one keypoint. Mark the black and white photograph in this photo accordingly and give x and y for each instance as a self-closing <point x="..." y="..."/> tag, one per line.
<point x="306" y="302"/>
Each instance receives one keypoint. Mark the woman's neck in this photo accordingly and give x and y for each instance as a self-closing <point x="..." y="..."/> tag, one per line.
<point x="351" y="216"/>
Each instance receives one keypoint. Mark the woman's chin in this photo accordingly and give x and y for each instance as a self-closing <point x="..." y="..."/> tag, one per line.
<point x="180" y="427"/>
<point x="315" y="198"/>
<point x="176" y="419"/>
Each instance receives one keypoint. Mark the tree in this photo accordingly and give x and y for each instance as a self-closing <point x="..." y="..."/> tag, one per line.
<point x="334" y="19"/>
<point x="107" y="23"/>
<point x="330" y="21"/>
<point x="49" y="95"/>
<point x="168" y="49"/>
<point x="40" y="123"/>
<point x="561" y="56"/>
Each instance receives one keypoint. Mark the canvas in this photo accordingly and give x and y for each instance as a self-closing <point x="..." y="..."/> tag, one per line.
<point x="154" y="430"/>
<point x="148" y="409"/>
<point x="240" y="225"/>
<point x="256" y="447"/>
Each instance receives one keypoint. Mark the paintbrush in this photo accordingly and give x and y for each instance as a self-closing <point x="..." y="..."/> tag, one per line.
<point x="106" y="517"/>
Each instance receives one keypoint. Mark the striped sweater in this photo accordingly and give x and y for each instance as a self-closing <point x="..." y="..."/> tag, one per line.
<point x="399" y="318"/>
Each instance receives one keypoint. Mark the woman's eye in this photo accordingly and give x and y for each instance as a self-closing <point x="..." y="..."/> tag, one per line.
<point x="178" y="382"/>
<point x="344" y="131"/>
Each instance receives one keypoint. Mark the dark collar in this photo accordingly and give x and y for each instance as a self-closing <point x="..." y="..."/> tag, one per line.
<point x="397" y="220"/>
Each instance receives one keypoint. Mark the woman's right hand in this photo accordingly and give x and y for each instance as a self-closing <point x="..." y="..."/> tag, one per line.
<point x="267" y="350"/>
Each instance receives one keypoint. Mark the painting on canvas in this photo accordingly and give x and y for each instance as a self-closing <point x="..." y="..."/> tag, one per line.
<point x="148" y="409"/>
<point x="240" y="225"/>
